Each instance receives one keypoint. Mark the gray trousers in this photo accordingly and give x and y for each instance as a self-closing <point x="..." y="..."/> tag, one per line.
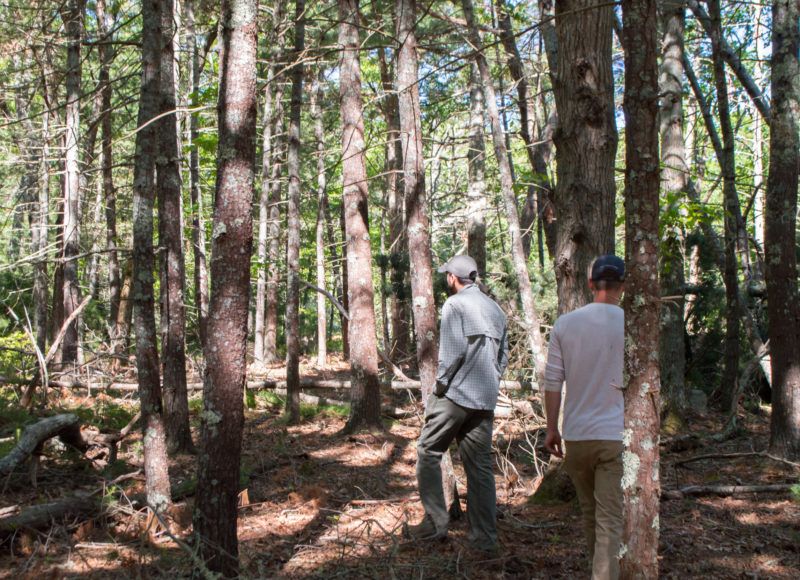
<point x="472" y="429"/>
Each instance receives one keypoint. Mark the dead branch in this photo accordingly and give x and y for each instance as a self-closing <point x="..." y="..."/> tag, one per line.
<point x="723" y="490"/>
<point x="32" y="438"/>
<point x="27" y="398"/>
<point x="737" y="455"/>
<point x="41" y="516"/>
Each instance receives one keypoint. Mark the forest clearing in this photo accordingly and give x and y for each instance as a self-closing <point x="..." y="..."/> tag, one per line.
<point x="316" y="503"/>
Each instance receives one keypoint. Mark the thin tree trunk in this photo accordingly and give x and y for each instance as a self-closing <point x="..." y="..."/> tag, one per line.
<point x="231" y="247"/>
<point x="170" y="236"/>
<point x="265" y="204"/>
<point x="419" y="240"/>
<point x="535" y="339"/>
<point x="540" y="192"/>
<point x="365" y="402"/>
<point x="586" y="144"/>
<point x="73" y="17"/>
<point x="398" y="238"/>
<point x="293" y="225"/>
<point x="274" y="227"/>
<point x="641" y="480"/>
<point x="729" y="55"/>
<point x="39" y="238"/>
<point x="730" y="377"/>
<point x="781" y="260"/>
<point x="476" y="172"/>
<point x="195" y="195"/>
<point x="674" y="173"/>
<point x="106" y="165"/>
<point x="322" y="182"/>
<point x="154" y="430"/>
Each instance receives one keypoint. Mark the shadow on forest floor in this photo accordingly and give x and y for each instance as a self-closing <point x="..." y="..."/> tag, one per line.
<point x="320" y="504"/>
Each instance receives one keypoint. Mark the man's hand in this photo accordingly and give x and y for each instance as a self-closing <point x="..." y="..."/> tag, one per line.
<point x="552" y="442"/>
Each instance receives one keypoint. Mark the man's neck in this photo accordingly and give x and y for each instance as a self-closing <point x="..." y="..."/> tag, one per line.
<point x="604" y="297"/>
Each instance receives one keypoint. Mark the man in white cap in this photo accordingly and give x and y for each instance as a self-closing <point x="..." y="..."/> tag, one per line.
<point x="472" y="357"/>
<point x="586" y="352"/>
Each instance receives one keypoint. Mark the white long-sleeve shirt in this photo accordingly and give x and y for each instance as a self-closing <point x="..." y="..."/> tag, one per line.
<point x="586" y="351"/>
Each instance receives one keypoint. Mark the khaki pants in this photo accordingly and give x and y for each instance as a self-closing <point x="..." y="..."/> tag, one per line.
<point x="596" y="470"/>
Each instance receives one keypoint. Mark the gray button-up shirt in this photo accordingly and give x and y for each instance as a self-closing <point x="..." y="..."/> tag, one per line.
<point x="472" y="349"/>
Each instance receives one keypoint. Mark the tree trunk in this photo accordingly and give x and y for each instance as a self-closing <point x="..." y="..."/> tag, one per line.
<point x="674" y="173"/>
<point x="729" y="55"/>
<point x="265" y="204"/>
<point x="231" y="247"/>
<point x="586" y="144"/>
<point x="154" y="430"/>
<point x="322" y="182"/>
<point x="73" y="18"/>
<point x="274" y="227"/>
<point x="170" y="239"/>
<point x="784" y="163"/>
<point x="730" y="377"/>
<point x="476" y="174"/>
<point x="365" y="403"/>
<point x="293" y="225"/>
<point x="398" y="238"/>
<point x="195" y="195"/>
<point x="540" y="192"/>
<point x="640" y="479"/>
<point x="106" y="168"/>
<point x="419" y="240"/>
<point x="39" y="238"/>
<point x="535" y="339"/>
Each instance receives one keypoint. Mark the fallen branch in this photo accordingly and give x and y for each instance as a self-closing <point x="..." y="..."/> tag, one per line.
<point x="723" y="490"/>
<point x="32" y="438"/>
<point x="737" y="455"/>
<point x="41" y="516"/>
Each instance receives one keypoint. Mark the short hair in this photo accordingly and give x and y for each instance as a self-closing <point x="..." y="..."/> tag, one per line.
<point x="608" y="285"/>
<point x="466" y="281"/>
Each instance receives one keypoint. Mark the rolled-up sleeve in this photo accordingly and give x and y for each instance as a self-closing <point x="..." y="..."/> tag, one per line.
<point x="554" y="373"/>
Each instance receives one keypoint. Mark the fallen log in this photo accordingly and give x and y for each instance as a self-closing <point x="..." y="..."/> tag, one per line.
<point x="42" y="516"/>
<point x="33" y="436"/>
<point x="723" y="490"/>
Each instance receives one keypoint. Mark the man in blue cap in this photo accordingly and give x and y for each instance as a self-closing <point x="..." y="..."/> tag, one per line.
<point x="586" y="351"/>
<point x="472" y="357"/>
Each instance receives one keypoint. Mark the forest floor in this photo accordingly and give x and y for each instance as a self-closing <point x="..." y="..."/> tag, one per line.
<point x="320" y="504"/>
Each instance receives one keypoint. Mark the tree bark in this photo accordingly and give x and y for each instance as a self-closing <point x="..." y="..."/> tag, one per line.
<point x="73" y="16"/>
<point x="730" y="377"/>
<point x="170" y="238"/>
<point x="293" y="225"/>
<point x="419" y="240"/>
<point x="476" y="173"/>
<point x="783" y="303"/>
<point x="198" y="222"/>
<point x="106" y="168"/>
<point x="674" y="174"/>
<point x="641" y="479"/>
<point x="231" y="247"/>
<point x="365" y="402"/>
<point x="535" y="339"/>
<point x="154" y="430"/>
<point x="586" y="144"/>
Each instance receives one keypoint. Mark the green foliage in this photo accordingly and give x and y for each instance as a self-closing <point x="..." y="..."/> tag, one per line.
<point x="795" y="491"/>
<point x="16" y="355"/>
